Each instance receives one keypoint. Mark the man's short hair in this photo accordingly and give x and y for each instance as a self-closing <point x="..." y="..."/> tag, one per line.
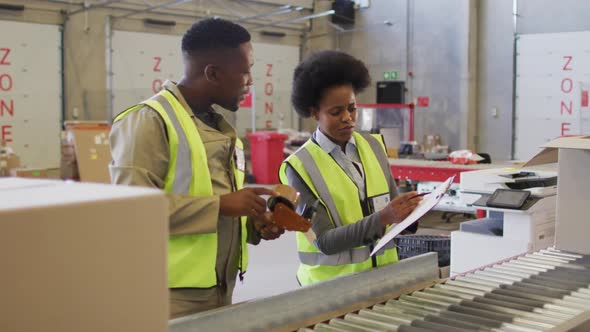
<point x="213" y="33"/>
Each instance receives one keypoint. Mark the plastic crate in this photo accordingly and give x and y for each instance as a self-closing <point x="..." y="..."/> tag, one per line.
<point x="413" y="245"/>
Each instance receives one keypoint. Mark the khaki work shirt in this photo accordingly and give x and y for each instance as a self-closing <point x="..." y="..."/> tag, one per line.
<point x="140" y="152"/>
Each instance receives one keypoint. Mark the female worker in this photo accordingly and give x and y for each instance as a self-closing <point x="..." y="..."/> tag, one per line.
<point x="347" y="172"/>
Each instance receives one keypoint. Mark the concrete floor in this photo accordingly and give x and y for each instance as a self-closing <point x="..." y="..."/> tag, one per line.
<point x="273" y="264"/>
<point x="271" y="270"/>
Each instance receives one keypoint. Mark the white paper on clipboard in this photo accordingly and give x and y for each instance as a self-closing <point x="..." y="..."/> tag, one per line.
<point x="426" y="205"/>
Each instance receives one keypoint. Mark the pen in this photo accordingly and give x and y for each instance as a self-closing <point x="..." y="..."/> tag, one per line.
<point x="419" y="195"/>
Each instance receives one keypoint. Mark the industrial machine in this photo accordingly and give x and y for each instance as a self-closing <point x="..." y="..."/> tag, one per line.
<point x="520" y="205"/>
<point x="541" y="181"/>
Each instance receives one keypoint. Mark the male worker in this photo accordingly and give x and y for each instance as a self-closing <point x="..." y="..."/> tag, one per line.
<point x="177" y="142"/>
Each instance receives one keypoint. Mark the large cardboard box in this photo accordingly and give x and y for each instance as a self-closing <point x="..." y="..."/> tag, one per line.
<point x="82" y="257"/>
<point x="572" y="155"/>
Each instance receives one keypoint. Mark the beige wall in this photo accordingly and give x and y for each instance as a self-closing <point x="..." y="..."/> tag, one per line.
<point x="85" y="46"/>
<point x="38" y="13"/>
<point x="86" y="63"/>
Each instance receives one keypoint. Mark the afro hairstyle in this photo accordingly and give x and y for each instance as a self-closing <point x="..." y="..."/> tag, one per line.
<point x="213" y="33"/>
<point x="323" y="70"/>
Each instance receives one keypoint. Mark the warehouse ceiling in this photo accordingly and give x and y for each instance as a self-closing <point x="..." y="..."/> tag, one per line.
<point x="292" y="15"/>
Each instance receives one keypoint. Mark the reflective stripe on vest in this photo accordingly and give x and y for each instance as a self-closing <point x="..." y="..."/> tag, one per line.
<point x="191" y="258"/>
<point x="316" y="168"/>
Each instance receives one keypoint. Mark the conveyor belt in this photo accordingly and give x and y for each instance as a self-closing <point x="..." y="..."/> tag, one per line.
<point x="319" y="302"/>
<point x="536" y="292"/>
<point x="546" y="290"/>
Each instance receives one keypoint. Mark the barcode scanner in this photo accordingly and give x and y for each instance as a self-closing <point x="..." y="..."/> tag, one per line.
<point x="282" y="209"/>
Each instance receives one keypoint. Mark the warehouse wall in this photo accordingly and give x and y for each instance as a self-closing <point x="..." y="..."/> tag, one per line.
<point x="442" y="45"/>
<point x="45" y="14"/>
<point x="439" y="35"/>
<point x="468" y="74"/>
<point x="546" y="16"/>
<point x="429" y="38"/>
<point x="496" y="43"/>
<point x="85" y="49"/>
<point x="86" y="64"/>
<point x="495" y="84"/>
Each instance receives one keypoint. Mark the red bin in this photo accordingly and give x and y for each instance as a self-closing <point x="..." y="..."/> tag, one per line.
<point x="266" y="155"/>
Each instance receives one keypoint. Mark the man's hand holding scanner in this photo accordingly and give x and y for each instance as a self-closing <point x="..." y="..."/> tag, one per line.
<point x="400" y="207"/>
<point x="267" y="229"/>
<point x="244" y="202"/>
<point x="247" y="202"/>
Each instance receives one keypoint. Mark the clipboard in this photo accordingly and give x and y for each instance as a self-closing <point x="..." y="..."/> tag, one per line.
<point x="426" y="205"/>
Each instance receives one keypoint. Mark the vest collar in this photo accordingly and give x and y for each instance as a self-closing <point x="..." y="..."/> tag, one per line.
<point x="224" y="126"/>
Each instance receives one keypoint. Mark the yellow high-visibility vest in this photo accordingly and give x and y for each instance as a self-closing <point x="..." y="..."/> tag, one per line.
<point x="340" y="196"/>
<point x="191" y="258"/>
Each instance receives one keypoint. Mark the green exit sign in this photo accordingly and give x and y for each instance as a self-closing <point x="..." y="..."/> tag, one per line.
<point x="390" y="75"/>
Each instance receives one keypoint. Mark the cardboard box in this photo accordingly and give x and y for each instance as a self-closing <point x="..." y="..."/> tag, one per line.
<point x="86" y="152"/>
<point x="8" y="163"/>
<point x="573" y="157"/>
<point x="32" y="173"/>
<point x="8" y="159"/>
<point x="68" y="165"/>
<point x="392" y="153"/>
<point x="82" y="257"/>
